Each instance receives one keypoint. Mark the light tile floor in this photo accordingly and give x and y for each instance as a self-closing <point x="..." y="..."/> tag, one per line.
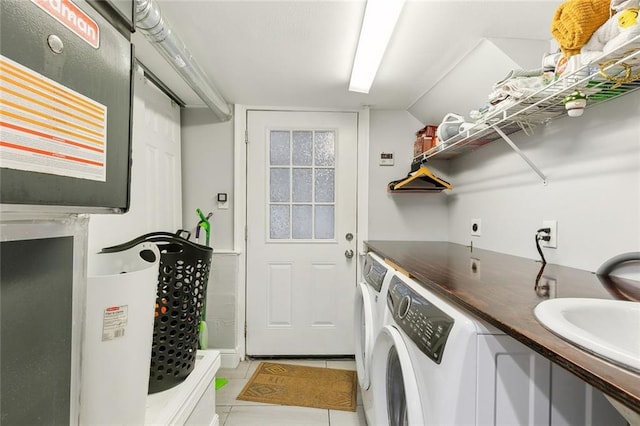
<point x="234" y="412"/>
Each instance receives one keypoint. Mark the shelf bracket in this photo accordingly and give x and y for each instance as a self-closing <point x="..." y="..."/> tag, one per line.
<point x="508" y="140"/>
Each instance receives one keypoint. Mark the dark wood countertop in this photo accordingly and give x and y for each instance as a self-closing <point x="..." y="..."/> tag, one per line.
<point x="501" y="289"/>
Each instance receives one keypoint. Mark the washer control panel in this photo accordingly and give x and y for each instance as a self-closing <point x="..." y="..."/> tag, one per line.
<point x="426" y="325"/>
<point x="374" y="273"/>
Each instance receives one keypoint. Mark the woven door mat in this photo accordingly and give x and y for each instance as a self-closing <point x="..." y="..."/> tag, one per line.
<point x="302" y="386"/>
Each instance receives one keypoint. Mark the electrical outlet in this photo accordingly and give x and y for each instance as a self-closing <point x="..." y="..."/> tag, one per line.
<point x="553" y="226"/>
<point x="476" y="227"/>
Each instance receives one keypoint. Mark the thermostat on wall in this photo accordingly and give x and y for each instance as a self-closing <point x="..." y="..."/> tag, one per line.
<point x="386" y="158"/>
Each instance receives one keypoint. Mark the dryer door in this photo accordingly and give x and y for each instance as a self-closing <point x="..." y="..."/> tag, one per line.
<point x="395" y="390"/>
<point x="363" y="327"/>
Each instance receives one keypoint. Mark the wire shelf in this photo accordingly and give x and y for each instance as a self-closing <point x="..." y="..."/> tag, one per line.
<point x="608" y="77"/>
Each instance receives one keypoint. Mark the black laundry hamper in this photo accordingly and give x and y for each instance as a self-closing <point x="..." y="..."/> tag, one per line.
<point x="182" y="286"/>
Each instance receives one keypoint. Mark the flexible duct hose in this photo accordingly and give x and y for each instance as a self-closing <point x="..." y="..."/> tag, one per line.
<point x="155" y="27"/>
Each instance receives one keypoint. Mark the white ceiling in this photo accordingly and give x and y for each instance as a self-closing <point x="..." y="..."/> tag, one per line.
<point x="299" y="53"/>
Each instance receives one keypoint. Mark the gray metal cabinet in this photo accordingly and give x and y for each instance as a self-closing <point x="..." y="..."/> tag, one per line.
<point x="51" y="46"/>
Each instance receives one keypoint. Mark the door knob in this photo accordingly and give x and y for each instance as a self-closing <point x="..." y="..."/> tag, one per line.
<point x="348" y="254"/>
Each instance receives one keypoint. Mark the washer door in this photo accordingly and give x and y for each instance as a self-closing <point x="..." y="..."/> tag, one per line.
<point x="363" y="327"/>
<point x="395" y="390"/>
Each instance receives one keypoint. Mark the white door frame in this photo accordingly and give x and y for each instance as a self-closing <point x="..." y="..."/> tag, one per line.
<point x="240" y="200"/>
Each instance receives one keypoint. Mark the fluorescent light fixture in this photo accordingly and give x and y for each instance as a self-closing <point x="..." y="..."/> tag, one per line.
<point x="380" y="19"/>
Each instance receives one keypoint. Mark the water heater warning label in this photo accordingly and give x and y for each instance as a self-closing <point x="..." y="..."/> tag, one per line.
<point x="48" y="128"/>
<point x="114" y="322"/>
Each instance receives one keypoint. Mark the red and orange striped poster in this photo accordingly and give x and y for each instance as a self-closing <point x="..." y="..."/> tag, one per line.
<point x="48" y="128"/>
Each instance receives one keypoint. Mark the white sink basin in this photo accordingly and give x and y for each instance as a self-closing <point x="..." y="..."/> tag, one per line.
<point x="609" y="329"/>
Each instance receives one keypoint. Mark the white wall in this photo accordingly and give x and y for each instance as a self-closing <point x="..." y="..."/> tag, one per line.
<point x="401" y="216"/>
<point x="222" y="301"/>
<point x="207" y="169"/>
<point x="207" y="158"/>
<point x="593" y="168"/>
<point x="155" y="174"/>
<point x="592" y="163"/>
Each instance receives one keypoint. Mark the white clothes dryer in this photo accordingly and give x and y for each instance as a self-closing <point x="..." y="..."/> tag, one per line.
<point x="426" y="363"/>
<point x="370" y="304"/>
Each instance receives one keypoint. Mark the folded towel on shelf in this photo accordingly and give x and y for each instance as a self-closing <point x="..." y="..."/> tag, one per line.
<point x="497" y="96"/>
<point x="520" y="87"/>
<point x="478" y="114"/>
<point x="575" y="21"/>
<point x="518" y="73"/>
<point x="618" y="30"/>
<point x="550" y="61"/>
<point x="488" y="113"/>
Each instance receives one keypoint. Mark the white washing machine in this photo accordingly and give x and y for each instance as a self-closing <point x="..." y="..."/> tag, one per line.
<point x="433" y="364"/>
<point x="370" y="305"/>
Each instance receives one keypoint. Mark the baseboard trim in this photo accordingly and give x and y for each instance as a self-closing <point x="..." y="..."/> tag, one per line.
<point x="229" y="358"/>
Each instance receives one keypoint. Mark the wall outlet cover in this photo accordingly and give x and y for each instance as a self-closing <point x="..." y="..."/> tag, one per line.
<point x="476" y="227"/>
<point x="553" y="226"/>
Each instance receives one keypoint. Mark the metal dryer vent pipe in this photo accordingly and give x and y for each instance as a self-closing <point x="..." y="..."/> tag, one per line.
<point x="156" y="29"/>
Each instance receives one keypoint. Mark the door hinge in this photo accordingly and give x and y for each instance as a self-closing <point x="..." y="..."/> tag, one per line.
<point x="245" y="330"/>
<point x="246" y="136"/>
<point x="246" y="232"/>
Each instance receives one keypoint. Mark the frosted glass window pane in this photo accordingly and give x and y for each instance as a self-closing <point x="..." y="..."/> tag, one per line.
<point x="325" y="186"/>
<point x="279" y="222"/>
<point x="302" y="183"/>
<point x="325" y="145"/>
<point x="302" y="222"/>
<point x="279" y="185"/>
<point x="279" y="149"/>
<point x="324" y="222"/>
<point x="302" y="148"/>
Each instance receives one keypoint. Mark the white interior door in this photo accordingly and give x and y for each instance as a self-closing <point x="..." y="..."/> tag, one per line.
<point x="156" y="190"/>
<point x="301" y="226"/>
